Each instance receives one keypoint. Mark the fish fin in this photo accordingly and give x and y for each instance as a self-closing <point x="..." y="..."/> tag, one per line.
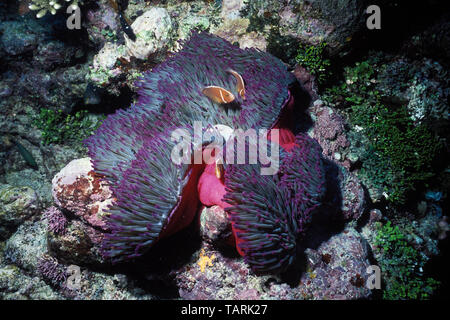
<point x="240" y="85"/>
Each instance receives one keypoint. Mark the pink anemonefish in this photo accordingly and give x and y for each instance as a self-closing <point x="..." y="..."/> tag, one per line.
<point x="223" y="96"/>
<point x="218" y="94"/>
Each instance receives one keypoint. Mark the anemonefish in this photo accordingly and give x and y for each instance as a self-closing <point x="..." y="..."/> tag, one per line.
<point x="218" y="94"/>
<point x="223" y="96"/>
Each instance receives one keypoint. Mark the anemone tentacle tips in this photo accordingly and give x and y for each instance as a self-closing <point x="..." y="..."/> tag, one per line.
<point x="156" y="197"/>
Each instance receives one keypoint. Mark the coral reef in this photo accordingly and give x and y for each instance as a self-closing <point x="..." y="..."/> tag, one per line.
<point x="363" y="178"/>
<point x="334" y="270"/>
<point x="16" y="205"/>
<point x="398" y="153"/>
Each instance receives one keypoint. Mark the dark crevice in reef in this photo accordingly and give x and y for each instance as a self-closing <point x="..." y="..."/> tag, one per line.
<point x="437" y="268"/>
<point x="108" y="103"/>
<point x="303" y="100"/>
<point x="153" y="271"/>
<point x="326" y="222"/>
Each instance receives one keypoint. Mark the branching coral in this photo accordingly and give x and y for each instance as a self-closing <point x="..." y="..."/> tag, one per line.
<point x="52" y="6"/>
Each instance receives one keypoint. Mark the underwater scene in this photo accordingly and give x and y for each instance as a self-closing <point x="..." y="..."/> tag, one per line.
<point x="224" y="150"/>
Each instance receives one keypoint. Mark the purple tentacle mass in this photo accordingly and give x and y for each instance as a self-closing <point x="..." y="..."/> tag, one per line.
<point x="270" y="213"/>
<point x="132" y="150"/>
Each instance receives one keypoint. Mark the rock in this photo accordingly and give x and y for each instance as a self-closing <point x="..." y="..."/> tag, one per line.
<point x="353" y="198"/>
<point x="14" y="285"/>
<point x="309" y="83"/>
<point x="79" y="244"/>
<point x="375" y="215"/>
<point x="214" y="225"/>
<point x="53" y="54"/>
<point x="77" y="188"/>
<point x="60" y="89"/>
<point x="192" y="22"/>
<point x="329" y="21"/>
<point x="422" y="85"/>
<point x="5" y="89"/>
<point x="27" y="245"/>
<point x="330" y="131"/>
<point x="433" y="42"/>
<point x="100" y="286"/>
<point x="154" y="32"/>
<point x="443" y="228"/>
<point x="106" y="58"/>
<point x="335" y="270"/>
<point x="104" y="68"/>
<point x="230" y="9"/>
<point x="16" y="205"/>
<point x="345" y="199"/>
<point x="311" y="22"/>
<point x="235" y="31"/>
<point x="49" y="159"/>
<point x="22" y="36"/>
<point x="102" y="23"/>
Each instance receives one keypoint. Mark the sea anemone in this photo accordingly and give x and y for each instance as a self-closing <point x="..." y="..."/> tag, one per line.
<point x="302" y="171"/>
<point x="175" y="86"/>
<point x="155" y="197"/>
<point x="269" y="214"/>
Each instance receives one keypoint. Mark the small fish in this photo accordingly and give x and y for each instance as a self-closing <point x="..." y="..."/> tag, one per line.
<point x="240" y="86"/>
<point x="218" y="94"/>
<point x="125" y="24"/>
<point x="127" y="28"/>
<point x="26" y="155"/>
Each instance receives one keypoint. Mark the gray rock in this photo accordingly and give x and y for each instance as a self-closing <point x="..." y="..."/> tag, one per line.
<point x="27" y="245"/>
<point x="16" y="205"/>
<point x="311" y="22"/>
<point x="422" y="85"/>
<point x="14" y="285"/>
<point x="154" y="32"/>
<point x="336" y="269"/>
<point x="20" y="36"/>
<point x="79" y="244"/>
